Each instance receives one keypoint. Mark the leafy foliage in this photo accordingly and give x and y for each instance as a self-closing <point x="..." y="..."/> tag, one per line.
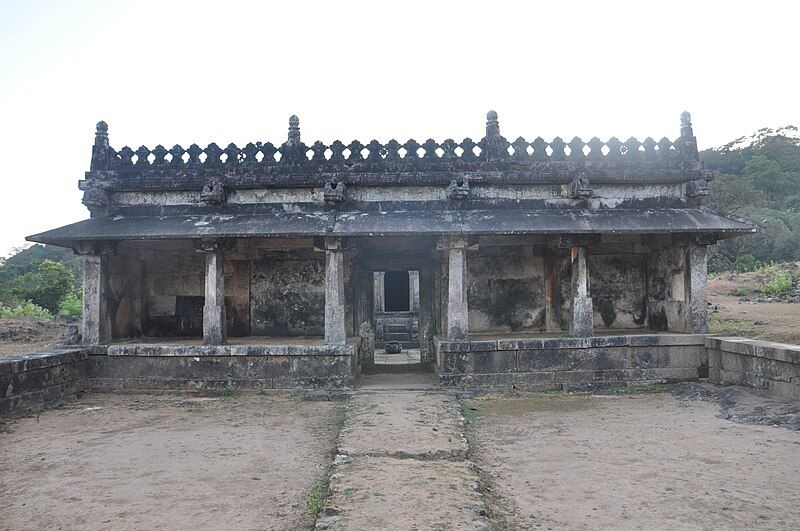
<point x="760" y="182"/>
<point x="44" y="275"/>
<point x="24" y="309"/>
<point x="71" y="306"/>
<point x="780" y="283"/>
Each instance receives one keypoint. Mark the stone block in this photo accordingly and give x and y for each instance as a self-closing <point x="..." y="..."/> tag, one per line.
<point x="494" y="361"/>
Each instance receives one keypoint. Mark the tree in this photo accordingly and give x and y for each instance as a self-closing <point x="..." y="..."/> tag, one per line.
<point x="52" y="282"/>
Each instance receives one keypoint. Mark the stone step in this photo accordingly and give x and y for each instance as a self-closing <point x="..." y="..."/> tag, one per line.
<point x="405" y="336"/>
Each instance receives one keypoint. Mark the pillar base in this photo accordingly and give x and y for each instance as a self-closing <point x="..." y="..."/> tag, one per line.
<point x="582" y="324"/>
<point x="213" y="325"/>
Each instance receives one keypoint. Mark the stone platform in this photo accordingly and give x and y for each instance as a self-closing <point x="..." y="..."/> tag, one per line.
<point x="571" y="362"/>
<point x="244" y="363"/>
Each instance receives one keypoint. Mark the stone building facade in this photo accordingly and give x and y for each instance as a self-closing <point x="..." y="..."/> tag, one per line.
<point x="533" y="263"/>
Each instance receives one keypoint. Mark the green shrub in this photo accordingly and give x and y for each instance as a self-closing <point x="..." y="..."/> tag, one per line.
<point x="71" y="306"/>
<point x="780" y="283"/>
<point x="53" y="283"/>
<point x="25" y="309"/>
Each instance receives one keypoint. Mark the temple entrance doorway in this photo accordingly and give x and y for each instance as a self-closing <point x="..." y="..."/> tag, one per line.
<point x="396" y="317"/>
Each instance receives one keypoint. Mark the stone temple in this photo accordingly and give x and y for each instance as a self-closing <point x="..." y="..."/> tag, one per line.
<point x="543" y="264"/>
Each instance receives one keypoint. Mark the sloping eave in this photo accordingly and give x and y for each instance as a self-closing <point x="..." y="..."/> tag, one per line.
<point x="400" y="223"/>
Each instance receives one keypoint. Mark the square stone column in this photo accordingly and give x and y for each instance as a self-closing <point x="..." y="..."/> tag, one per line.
<point x="214" y="329"/>
<point x="582" y="322"/>
<point x="335" y="330"/>
<point x="413" y="290"/>
<point x="457" y="307"/>
<point x="378" y="291"/>
<point x="697" y="272"/>
<point x="94" y="326"/>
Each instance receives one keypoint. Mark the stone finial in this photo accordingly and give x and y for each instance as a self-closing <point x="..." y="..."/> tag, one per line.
<point x="492" y="125"/>
<point x="686" y="124"/>
<point x="101" y="134"/>
<point x="100" y="157"/>
<point x="689" y="147"/>
<point x="294" y="129"/>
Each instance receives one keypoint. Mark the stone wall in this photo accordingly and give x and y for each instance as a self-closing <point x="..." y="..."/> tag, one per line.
<point x="618" y="287"/>
<point x="288" y="295"/>
<point x="174" y="290"/>
<point x="154" y="367"/>
<point x="667" y="290"/>
<point x="505" y="290"/>
<point x="571" y="363"/>
<point x="771" y="367"/>
<point x="41" y="378"/>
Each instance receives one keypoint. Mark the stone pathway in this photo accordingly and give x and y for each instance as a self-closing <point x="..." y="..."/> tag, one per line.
<point x="402" y="464"/>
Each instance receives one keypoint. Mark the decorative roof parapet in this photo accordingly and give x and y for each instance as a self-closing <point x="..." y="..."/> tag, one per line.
<point x="681" y="154"/>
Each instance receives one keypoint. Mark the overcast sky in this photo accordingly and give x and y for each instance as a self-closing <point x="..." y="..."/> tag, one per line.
<point x="181" y="72"/>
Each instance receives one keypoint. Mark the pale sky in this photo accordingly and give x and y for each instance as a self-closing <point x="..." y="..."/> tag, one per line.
<point x="172" y="72"/>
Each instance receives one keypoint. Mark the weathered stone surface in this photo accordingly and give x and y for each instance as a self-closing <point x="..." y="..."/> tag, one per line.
<point x="335" y="330"/>
<point x="214" y="321"/>
<point x="401" y="425"/>
<point x="40" y="379"/>
<point x="771" y="367"/>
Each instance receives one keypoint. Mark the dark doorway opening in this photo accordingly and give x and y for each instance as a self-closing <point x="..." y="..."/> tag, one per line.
<point x="396" y="291"/>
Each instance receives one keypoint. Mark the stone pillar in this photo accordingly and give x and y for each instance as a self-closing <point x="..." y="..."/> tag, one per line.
<point x="335" y="331"/>
<point x="379" y="291"/>
<point x="697" y="272"/>
<point x="214" y="329"/>
<point x="94" y="328"/>
<point x="581" y="324"/>
<point x="457" y="308"/>
<point x="413" y="291"/>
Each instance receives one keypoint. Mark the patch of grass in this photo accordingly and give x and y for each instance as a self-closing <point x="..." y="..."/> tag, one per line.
<point x="781" y="282"/>
<point x="469" y="410"/>
<point x="318" y="493"/>
<point x="226" y="393"/>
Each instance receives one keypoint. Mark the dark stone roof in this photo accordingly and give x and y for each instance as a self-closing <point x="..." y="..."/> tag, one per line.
<point x="332" y="223"/>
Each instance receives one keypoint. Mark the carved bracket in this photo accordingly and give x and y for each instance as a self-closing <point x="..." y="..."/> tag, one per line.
<point x="697" y="188"/>
<point x="458" y="190"/>
<point x="334" y="191"/>
<point x="580" y="187"/>
<point x="213" y="192"/>
<point x="88" y="248"/>
<point x="215" y="245"/>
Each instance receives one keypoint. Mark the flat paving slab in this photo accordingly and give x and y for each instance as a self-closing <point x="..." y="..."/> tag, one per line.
<point x="398" y="382"/>
<point x="388" y="493"/>
<point x="655" y="461"/>
<point x="403" y="424"/>
<point x="166" y="462"/>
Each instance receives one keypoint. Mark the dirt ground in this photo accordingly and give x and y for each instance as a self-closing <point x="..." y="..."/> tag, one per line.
<point x="633" y="461"/>
<point x="770" y="321"/>
<point x="688" y="456"/>
<point x="33" y="334"/>
<point x="145" y="462"/>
